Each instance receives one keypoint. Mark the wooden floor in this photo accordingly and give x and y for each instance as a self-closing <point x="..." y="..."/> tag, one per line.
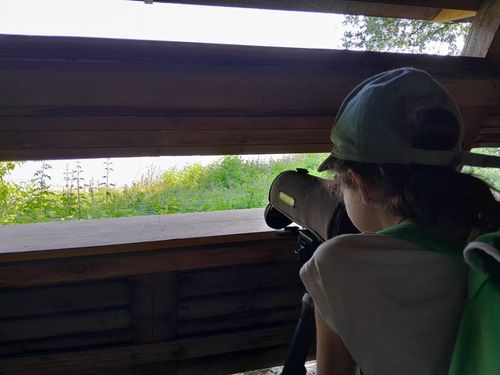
<point x="214" y="293"/>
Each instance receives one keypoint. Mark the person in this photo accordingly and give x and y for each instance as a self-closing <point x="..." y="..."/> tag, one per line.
<point x="389" y="300"/>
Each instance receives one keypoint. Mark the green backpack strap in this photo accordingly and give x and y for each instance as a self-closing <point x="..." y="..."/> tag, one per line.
<point x="477" y="347"/>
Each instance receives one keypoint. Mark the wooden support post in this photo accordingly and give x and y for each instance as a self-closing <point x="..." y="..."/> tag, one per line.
<point x="483" y="39"/>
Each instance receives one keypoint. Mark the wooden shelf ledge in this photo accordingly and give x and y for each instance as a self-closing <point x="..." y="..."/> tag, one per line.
<point x="26" y="242"/>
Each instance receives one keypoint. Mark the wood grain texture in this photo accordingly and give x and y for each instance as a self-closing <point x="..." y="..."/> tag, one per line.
<point x="67" y="324"/>
<point x="237" y="278"/>
<point x="489" y="134"/>
<point x="76" y="97"/>
<point x="234" y="322"/>
<point x="132" y="234"/>
<point x="62" y="299"/>
<point x="65" y="342"/>
<point x="80" y="361"/>
<point x="384" y="8"/>
<point x="242" y="302"/>
<point x="484" y="31"/>
<point x="272" y="248"/>
<point x="154" y="306"/>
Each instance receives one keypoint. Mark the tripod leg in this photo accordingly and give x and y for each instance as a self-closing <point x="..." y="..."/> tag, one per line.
<point x="302" y="339"/>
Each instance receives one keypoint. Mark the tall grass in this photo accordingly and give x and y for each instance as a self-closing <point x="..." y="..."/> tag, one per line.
<point x="229" y="183"/>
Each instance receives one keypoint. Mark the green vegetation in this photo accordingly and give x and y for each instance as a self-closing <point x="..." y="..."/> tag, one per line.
<point x="402" y="35"/>
<point x="229" y="183"/>
<point x="490" y="175"/>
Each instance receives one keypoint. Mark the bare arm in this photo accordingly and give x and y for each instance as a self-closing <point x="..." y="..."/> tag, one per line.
<point x="332" y="356"/>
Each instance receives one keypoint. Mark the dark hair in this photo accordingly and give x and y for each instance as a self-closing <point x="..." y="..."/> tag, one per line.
<point x="428" y="194"/>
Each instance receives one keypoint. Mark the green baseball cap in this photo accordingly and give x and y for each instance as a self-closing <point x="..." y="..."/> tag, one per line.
<point x="373" y="123"/>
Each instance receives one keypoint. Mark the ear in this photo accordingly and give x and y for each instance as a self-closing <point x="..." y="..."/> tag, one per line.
<point x="368" y="193"/>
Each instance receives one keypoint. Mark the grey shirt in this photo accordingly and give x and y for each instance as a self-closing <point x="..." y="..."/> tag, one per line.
<point x="395" y="305"/>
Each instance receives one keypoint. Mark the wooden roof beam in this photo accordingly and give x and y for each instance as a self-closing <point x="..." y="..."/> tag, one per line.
<point x="412" y="9"/>
<point x="444" y="4"/>
<point x="484" y="37"/>
<point x="316" y="5"/>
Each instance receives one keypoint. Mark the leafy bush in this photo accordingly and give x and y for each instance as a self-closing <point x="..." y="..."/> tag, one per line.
<point x="229" y="183"/>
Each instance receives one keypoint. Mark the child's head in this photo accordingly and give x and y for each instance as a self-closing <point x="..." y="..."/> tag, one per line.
<point x="398" y="136"/>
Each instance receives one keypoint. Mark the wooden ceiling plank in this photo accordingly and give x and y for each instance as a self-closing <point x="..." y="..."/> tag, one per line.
<point x="483" y="39"/>
<point x="331" y="6"/>
<point x="444" y="4"/>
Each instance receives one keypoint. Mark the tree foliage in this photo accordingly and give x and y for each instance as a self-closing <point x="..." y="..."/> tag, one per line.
<point x="403" y="35"/>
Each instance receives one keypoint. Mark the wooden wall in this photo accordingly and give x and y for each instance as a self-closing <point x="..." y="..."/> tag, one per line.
<point x="147" y="310"/>
<point x="221" y="320"/>
<point x="74" y="98"/>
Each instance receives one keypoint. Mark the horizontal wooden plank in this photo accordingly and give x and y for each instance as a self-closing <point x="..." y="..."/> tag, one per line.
<point x="315" y="129"/>
<point x="235" y="279"/>
<point x="448" y="4"/>
<point x="130" y="121"/>
<point x="487" y="142"/>
<point x="65" y="324"/>
<point x="492" y="122"/>
<point x="80" y="361"/>
<point x="110" y="152"/>
<point x="151" y="94"/>
<point x="489" y="133"/>
<point x="383" y="8"/>
<point x="161" y="138"/>
<point x="62" y="299"/>
<point x="247" y="320"/>
<point x="241" y="302"/>
<point x="275" y="247"/>
<point x="16" y="49"/>
<point x="107" y="88"/>
<point x="486" y="132"/>
<point x="150" y="88"/>
<point x="72" y="341"/>
<point x="50" y="240"/>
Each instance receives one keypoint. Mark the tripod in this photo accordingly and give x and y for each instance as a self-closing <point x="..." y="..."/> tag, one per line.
<point x="306" y="326"/>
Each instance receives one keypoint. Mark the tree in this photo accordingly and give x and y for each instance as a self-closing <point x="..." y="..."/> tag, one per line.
<point x="403" y="35"/>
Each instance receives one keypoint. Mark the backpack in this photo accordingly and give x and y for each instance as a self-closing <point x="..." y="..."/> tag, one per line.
<point x="477" y="346"/>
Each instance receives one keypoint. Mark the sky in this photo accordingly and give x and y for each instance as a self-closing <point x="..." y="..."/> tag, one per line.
<point x="136" y="20"/>
<point x="124" y="19"/>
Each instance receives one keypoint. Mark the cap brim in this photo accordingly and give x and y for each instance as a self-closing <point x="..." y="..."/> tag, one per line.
<point x="327" y="164"/>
